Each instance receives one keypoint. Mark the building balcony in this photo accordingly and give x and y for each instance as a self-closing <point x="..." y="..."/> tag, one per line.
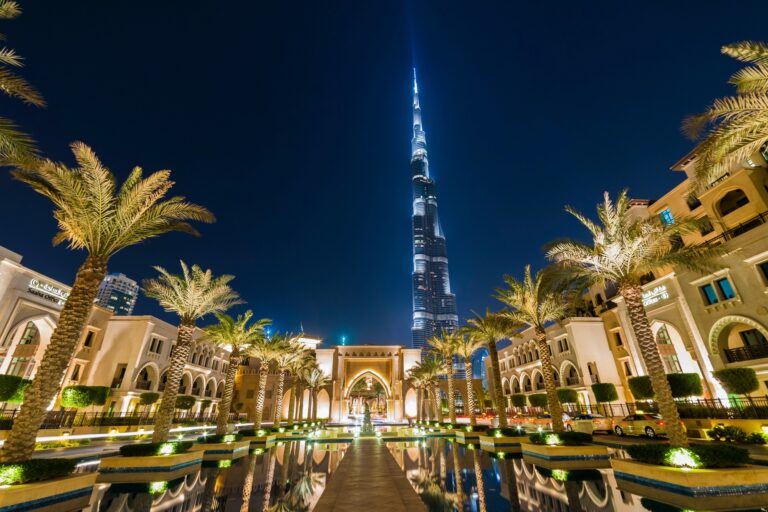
<point x="572" y="381"/>
<point x="746" y="353"/>
<point x="144" y="384"/>
<point x="742" y="228"/>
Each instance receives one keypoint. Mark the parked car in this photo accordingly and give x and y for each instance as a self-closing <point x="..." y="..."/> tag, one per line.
<point x="542" y="421"/>
<point x="647" y="424"/>
<point x="589" y="423"/>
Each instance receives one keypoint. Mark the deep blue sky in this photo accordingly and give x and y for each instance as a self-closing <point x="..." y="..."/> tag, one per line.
<point x="291" y="121"/>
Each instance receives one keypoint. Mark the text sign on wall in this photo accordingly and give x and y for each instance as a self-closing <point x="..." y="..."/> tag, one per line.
<point x="655" y="295"/>
<point x="48" y="291"/>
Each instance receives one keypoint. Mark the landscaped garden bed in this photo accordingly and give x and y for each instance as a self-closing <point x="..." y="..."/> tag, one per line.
<point x="44" y="483"/>
<point x="711" y="477"/>
<point x="503" y="440"/>
<point x="564" y="450"/>
<point x="470" y="434"/>
<point x="220" y="447"/>
<point x="150" y="462"/>
<point x="260" y="437"/>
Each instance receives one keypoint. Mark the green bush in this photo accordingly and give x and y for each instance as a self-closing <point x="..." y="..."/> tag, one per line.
<point x="204" y="404"/>
<point x="757" y="438"/>
<point x="99" y="395"/>
<point x="76" y="397"/>
<point x="252" y="432"/>
<point x="224" y="438"/>
<point x="148" y="398"/>
<point x="507" y="432"/>
<point x="564" y="438"/>
<point x="518" y="400"/>
<point x="18" y="396"/>
<point x="640" y="387"/>
<point x="737" y="381"/>
<point x="605" y="392"/>
<point x="185" y="402"/>
<point x="13" y="473"/>
<point x="152" y="449"/>
<point x="735" y="435"/>
<point x="567" y="396"/>
<point x="8" y="386"/>
<point x="684" y="385"/>
<point x="538" y="400"/>
<point x="710" y="455"/>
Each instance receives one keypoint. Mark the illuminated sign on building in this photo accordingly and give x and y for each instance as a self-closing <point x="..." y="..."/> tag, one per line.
<point x="48" y="291"/>
<point x="655" y="295"/>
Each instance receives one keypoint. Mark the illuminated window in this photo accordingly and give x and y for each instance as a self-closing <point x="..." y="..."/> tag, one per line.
<point x="666" y="217"/>
<point x="672" y="364"/>
<point x="662" y="336"/>
<point x="753" y="338"/>
<point x="31" y="335"/>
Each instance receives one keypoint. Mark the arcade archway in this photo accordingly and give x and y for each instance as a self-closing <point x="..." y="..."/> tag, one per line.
<point x="367" y="389"/>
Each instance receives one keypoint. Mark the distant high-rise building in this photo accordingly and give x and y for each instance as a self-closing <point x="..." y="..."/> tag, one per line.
<point x="434" y="306"/>
<point x="118" y="294"/>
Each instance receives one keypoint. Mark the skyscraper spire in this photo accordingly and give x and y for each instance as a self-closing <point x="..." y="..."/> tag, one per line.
<point x="434" y="306"/>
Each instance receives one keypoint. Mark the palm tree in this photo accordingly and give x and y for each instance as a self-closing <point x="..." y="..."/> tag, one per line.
<point x="445" y="346"/>
<point x="238" y="336"/>
<point x="736" y="126"/>
<point x="536" y="301"/>
<point x="624" y="250"/>
<point x="419" y="382"/>
<point x="93" y="216"/>
<point x="491" y="329"/>
<point x="430" y="368"/>
<point x="191" y="295"/>
<point x="15" y="146"/>
<point x="466" y="346"/>
<point x="290" y="351"/>
<point x="266" y="350"/>
<point x="316" y="380"/>
<point x="299" y="369"/>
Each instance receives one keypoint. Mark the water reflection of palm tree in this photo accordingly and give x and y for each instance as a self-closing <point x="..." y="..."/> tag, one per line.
<point x="270" y="479"/>
<point x="457" y="475"/>
<point x="248" y="484"/>
<point x="435" y="498"/>
<point x="480" y="482"/>
<point x="209" y="491"/>
<point x="509" y="477"/>
<point x="572" y="493"/>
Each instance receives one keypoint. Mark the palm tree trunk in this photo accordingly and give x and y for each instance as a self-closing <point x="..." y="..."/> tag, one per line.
<point x="457" y="474"/>
<point x="226" y="398"/>
<point x="549" y="381"/>
<point x="572" y="494"/>
<point x="248" y="484"/>
<point x="314" y="404"/>
<point x="270" y="480"/>
<point x="279" y="398"/>
<point x="451" y="392"/>
<point x="653" y="364"/>
<point x="418" y="405"/>
<point x="470" y="391"/>
<point x="263" y="373"/>
<point x="499" y="400"/>
<point x="164" y="415"/>
<point x="480" y="482"/>
<point x="438" y="402"/>
<point x="510" y="478"/>
<point x="292" y="405"/>
<point x="20" y="442"/>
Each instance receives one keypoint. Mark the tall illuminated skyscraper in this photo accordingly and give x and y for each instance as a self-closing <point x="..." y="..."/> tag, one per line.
<point x="118" y="293"/>
<point x="434" y="306"/>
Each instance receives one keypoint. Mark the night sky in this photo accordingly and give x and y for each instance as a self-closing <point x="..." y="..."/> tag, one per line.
<point x="291" y="121"/>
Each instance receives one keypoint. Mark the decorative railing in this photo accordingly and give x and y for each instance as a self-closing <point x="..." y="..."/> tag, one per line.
<point x="746" y="353"/>
<point x="69" y="419"/>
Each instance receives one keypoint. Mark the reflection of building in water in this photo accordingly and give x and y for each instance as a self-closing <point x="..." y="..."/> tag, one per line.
<point x="185" y="494"/>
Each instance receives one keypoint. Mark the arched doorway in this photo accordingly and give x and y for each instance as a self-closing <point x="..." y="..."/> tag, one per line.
<point x="738" y="338"/>
<point x="367" y="389"/>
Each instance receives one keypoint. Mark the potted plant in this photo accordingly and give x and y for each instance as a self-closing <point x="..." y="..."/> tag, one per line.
<point x="222" y="446"/>
<point x="258" y="437"/>
<point x="564" y="450"/>
<point x="503" y="440"/>
<point x="45" y="481"/>
<point x="150" y="462"/>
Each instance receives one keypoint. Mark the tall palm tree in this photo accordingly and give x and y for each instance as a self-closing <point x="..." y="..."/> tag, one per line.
<point x="191" y="295"/>
<point x="445" y="346"/>
<point x="15" y="146"/>
<point x="418" y="381"/>
<point x="316" y="380"/>
<point x="266" y="350"/>
<point x="237" y="335"/>
<point x="299" y="369"/>
<point x="734" y="127"/>
<point x="623" y="251"/>
<point x="536" y="301"/>
<point x="490" y="329"/>
<point x="290" y="352"/>
<point x="431" y="367"/>
<point x="466" y="346"/>
<point x="97" y="217"/>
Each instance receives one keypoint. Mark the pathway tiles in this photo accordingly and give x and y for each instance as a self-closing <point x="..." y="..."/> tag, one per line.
<point x="368" y="479"/>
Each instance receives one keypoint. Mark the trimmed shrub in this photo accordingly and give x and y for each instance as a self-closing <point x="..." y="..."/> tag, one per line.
<point x="538" y="400"/>
<point x="507" y="432"/>
<point x="224" y="438"/>
<point x="564" y="438"/>
<point x="8" y="386"/>
<point x="710" y="456"/>
<point x="684" y="385"/>
<point x="640" y="387"/>
<point x="737" y="381"/>
<point x="99" y="394"/>
<point x="76" y="397"/>
<point x="204" y="404"/>
<point x="518" y="400"/>
<point x="13" y="473"/>
<point x="252" y="432"/>
<point x="18" y="396"/>
<point x="185" y="402"/>
<point x="148" y="398"/>
<point x="605" y="392"/>
<point x="152" y="449"/>
<point x="735" y="435"/>
<point x="567" y="396"/>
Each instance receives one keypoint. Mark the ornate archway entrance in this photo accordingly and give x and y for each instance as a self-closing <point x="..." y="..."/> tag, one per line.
<point x="369" y="390"/>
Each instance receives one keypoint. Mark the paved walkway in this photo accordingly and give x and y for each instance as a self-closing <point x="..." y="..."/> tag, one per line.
<point x="368" y="479"/>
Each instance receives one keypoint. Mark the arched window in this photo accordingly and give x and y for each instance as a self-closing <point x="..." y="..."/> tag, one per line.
<point x="732" y="201"/>
<point x="662" y="336"/>
<point x="31" y="335"/>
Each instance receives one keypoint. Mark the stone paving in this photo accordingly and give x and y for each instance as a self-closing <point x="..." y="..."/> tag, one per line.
<point x="368" y="479"/>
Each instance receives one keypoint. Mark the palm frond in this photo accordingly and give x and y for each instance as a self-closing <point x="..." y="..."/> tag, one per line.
<point x="15" y="145"/>
<point x="751" y="80"/>
<point x="747" y="51"/>
<point x="16" y="87"/>
<point x="9" y="9"/>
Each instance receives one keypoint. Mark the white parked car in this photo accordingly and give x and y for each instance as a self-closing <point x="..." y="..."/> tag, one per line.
<point x="589" y="423"/>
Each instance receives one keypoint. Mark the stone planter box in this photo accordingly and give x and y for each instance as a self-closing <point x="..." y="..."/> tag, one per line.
<point x="566" y="457"/>
<point x="58" y="495"/>
<point x="222" y="451"/>
<point x="464" y="437"/>
<point x="502" y="444"/>
<point x="151" y="468"/>
<point x="709" y="489"/>
<point x="260" y="440"/>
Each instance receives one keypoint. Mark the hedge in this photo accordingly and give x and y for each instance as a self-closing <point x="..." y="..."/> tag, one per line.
<point x="223" y="438"/>
<point x="518" y="400"/>
<point x="18" y="396"/>
<point x="8" y="386"/>
<point x="682" y="385"/>
<point x="148" y="398"/>
<point x="252" y="432"/>
<point x="76" y="397"/>
<point x="185" y="402"/>
<point x="538" y="400"/>
<point x="737" y="381"/>
<point x="13" y="473"/>
<point x="735" y="435"/>
<point x="709" y="455"/>
<point x="507" y="432"/>
<point x="152" y="449"/>
<point x="640" y="387"/>
<point x="204" y="404"/>
<point x="99" y="395"/>
<point x="564" y="438"/>
<point x="567" y="396"/>
<point x="605" y="392"/>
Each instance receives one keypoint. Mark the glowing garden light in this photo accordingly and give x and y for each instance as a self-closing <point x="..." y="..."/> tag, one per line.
<point x="682" y="458"/>
<point x="497" y="433"/>
<point x="225" y="463"/>
<point x="157" y="487"/>
<point x="560" y="475"/>
<point x="166" y="449"/>
<point x="552" y="440"/>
